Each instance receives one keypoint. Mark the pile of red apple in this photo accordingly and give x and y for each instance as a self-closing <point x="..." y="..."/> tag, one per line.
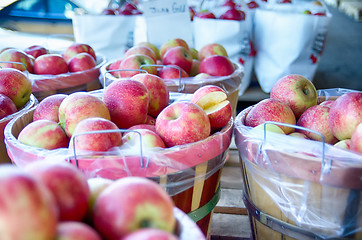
<point x="140" y="102"/>
<point x="293" y="100"/>
<point x="231" y="11"/>
<point x="37" y="59"/>
<point x="48" y="200"/>
<point x="126" y="9"/>
<point x="177" y="58"/>
<point x="15" y="91"/>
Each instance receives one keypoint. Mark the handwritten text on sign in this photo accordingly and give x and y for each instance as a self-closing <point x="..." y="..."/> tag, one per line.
<point x="158" y="8"/>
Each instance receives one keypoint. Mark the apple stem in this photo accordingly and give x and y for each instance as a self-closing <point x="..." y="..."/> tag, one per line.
<point x="145" y="223"/>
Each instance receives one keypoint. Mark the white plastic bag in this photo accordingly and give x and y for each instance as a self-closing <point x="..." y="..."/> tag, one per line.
<point x="288" y="41"/>
<point x="107" y="34"/>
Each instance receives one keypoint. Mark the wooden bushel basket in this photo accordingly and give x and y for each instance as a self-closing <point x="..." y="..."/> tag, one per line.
<point x="299" y="189"/>
<point x="230" y="84"/>
<point x="46" y="85"/>
<point x="4" y="158"/>
<point x="190" y="173"/>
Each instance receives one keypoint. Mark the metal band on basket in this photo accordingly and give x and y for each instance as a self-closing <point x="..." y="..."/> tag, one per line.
<point x="203" y="211"/>
<point x="279" y="225"/>
<point x="107" y="131"/>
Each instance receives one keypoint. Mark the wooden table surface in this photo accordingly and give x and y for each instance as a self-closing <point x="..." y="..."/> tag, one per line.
<point x="230" y="220"/>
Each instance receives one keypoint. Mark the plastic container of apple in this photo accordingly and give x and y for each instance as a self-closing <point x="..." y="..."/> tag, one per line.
<point x="53" y="71"/>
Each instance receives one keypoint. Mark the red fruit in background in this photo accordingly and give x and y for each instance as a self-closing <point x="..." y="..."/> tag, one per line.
<point x="345" y="114"/>
<point x="233" y="14"/>
<point x="22" y="60"/>
<point x="27" y="207"/>
<point x="36" y="50"/>
<point x="74" y="230"/>
<point x="316" y="118"/>
<point x="216" y="65"/>
<point x="229" y="3"/>
<point x="76" y="48"/>
<point x="252" y="4"/>
<point x="178" y="56"/>
<point x="7" y="106"/>
<point x="81" y="62"/>
<point x="96" y="141"/>
<point x="50" y="64"/>
<point x="116" y="65"/>
<point x="108" y="11"/>
<point x="205" y="14"/>
<point x="67" y="184"/>
<point x="48" y="108"/>
<point x="172" y="72"/>
<point x="192" y="13"/>
<point x="271" y="110"/>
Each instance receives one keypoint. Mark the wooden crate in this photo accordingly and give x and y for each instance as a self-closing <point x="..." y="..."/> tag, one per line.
<point x="230" y="220"/>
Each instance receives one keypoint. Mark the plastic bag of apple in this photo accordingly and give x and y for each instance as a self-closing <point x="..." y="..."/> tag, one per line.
<point x="113" y="39"/>
<point x="183" y="68"/>
<point x="293" y="48"/>
<point x="15" y="99"/>
<point x="49" y="200"/>
<point x="301" y="151"/>
<point x="227" y="23"/>
<point x="184" y="143"/>
<point x="74" y="69"/>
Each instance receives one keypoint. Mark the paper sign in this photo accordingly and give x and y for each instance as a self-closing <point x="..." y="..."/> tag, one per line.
<point x="166" y="20"/>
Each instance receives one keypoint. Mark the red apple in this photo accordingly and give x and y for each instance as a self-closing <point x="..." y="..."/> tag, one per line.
<point x="175" y="42"/>
<point x="344" y="144"/>
<point x="27" y="209"/>
<point x="75" y="230"/>
<point x="316" y="118"/>
<point x="96" y="141"/>
<point x="233" y="14"/>
<point x="81" y="62"/>
<point x="216" y="65"/>
<point x="150" y="234"/>
<point x="327" y="103"/>
<point x="78" y="106"/>
<point x="158" y="92"/>
<point x="48" y="108"/>
<point x="172" y="72"/>
<point x="152" y="46"/>
<point x="127" y="101"/>
<point x="213" y="100"/>
<point x="296" y="91"/>
<point x="135" y="61"/>
<point x="67" y="184"/>
<point x="205" y="14"/>
<point x="195" y="67"/>
<point x="252" y="5"/>
<point x="298" y="134"/>
<point x="141" y="50"/>
<point x="16" y="85"/>
<point x="229" y="3"/>
<point x="96" y="186"/>
<point x="178" y="56"/>
<point x="45" y="134"/>
<point x="7" y="106"/>
<point x="346" y="114"/>
<point x="115" y="65"/>
<point x="150" y="139"/>
<point x="212" y="49"/>
<point x="132" y="203"/>
<point x="356" y="139"/>
<point x="36" y="50"/>
<point x="181" y="123"/>
<point x="50" y="64"/>
<point x="151" y="127"/>
<point x="76" y="48"/>
<point x="271" y="110"/>
<point x="22" y="60"/>
<point x="108" y="11"/>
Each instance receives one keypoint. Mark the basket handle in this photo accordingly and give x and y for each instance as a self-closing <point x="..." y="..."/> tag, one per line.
<point x="181" y="85"/>
<point x="107" y="131"/>
<point x="119" y="70"/>
<point x="323" y="163"/>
